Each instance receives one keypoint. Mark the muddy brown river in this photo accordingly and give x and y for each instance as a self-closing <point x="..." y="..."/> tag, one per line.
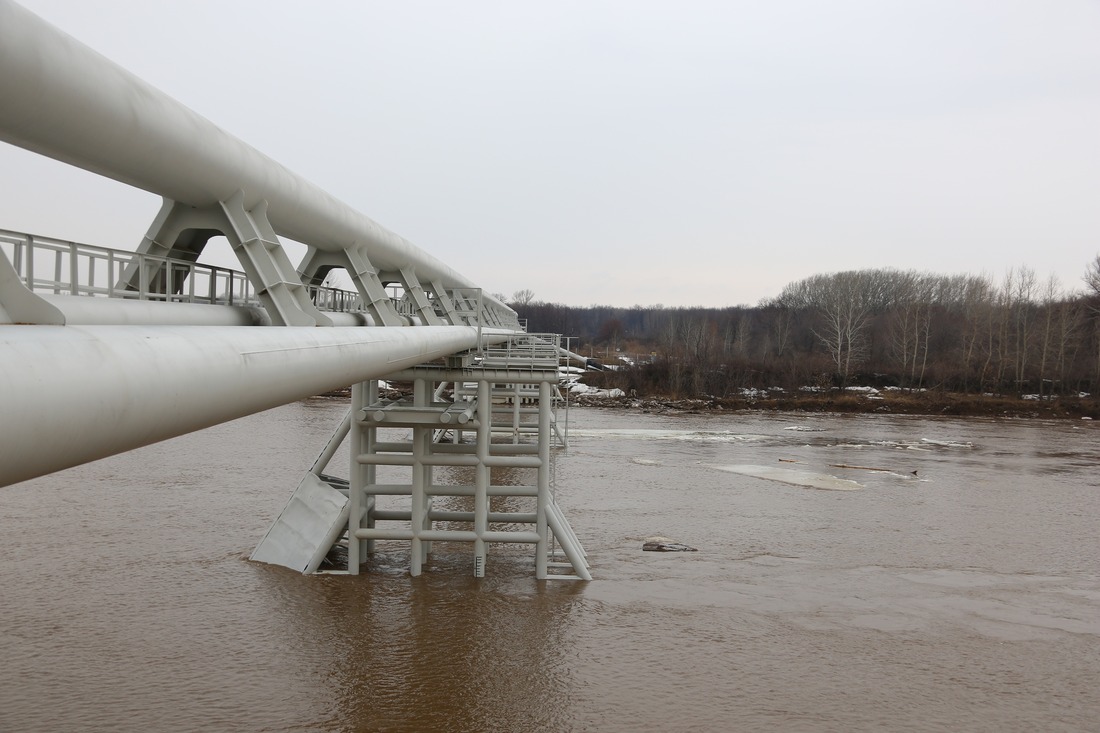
<point x="852" y="573"/>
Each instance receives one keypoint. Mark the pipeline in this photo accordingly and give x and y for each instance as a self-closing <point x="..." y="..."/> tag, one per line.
<point x="65" y="101"/>
<point x="85" y="390"/>
<point x="72" y="394"/>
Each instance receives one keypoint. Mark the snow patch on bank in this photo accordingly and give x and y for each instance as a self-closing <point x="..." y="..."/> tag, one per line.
<point x="583" y="390"/>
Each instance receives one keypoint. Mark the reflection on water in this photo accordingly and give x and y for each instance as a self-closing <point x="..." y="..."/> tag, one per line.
<point x="439" y="652"/>
<point x="956" y="590"/>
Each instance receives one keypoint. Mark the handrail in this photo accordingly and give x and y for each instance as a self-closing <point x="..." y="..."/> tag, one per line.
<point x="62" y="267"/>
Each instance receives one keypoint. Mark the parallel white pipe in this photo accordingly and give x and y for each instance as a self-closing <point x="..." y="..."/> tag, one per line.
<point x="406" y="459"/>
<point x="440" y="515"/>
<point x="72" y="394"/>
<point x="451" y="490"/>
<point x="460" y="449"/>
<point x="62" y="99"/>
<point x="80" y="311"/>
<point x="449" y="535"/>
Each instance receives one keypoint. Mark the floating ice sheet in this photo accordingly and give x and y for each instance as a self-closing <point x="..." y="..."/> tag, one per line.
<point x="703" y="436"/>
<point x="947" y="443"/>
<point x="806" y="479"/>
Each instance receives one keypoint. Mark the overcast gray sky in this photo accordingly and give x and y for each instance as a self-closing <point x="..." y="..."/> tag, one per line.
<point x="683" y="153"/>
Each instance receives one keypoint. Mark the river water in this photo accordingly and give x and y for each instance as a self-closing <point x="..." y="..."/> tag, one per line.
<point x="964" y="596"/>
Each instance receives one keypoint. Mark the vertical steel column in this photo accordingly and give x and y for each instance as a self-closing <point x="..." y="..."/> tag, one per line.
<point x="517" y="403"/>
<point x="356" y="447"/>
<point x="482" y="474"/>
<point x="362" y="476"/>
<point x="543" y="546"/>
<point x="371" y="474"/>
<point x="418" y="514"/>
<point x="429" y="471"/>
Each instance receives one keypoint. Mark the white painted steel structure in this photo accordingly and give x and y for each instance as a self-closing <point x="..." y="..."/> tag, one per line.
<point x="65" y="101"/>
<point x="73" y="394"/>
<point x="83" y="377"/>
<point x="409" y="439"/>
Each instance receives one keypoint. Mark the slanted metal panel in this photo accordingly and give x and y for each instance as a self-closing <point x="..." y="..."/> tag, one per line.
<point x="17" y="303"/>
<point x="305" y="531"/>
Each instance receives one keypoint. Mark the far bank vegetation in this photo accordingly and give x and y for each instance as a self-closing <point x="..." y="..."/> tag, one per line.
<point x="884" y="328"/>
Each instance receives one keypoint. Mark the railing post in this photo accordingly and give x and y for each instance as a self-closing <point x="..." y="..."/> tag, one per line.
<point x="30" y="262"/>
<point x="141" y="276"/>
<point x="74" y="270"/>
<point x="57" y="272"/>
<point x="480" y="313"/>
<point x="17" y="255"/>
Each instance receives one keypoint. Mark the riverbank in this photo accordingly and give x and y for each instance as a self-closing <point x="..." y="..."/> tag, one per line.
<point x="856" y="400"/>
<point x="862" y="400"/>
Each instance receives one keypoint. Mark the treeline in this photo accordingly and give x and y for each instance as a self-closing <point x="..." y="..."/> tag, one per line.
<point x="872" y="327"/>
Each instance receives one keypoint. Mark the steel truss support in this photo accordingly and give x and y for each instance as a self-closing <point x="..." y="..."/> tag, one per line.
<point x="181" y="232"/>
<point x="414" y="291"/>
<point x="446" y="302"/>
<point x="131" y="132"/>
<point x="371" y="289"/>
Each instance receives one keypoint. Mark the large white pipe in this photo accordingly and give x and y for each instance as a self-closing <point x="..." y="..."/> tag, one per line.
<point x="62" y="99"/>
<point x="72" y="394"/>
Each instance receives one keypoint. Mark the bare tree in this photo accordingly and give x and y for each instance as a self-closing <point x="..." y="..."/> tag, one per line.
<point x="1067" y="334"/>
<point x="781" y="331"/>
<point x="522" y="297"/>
<point x="845" y="312"/>
<point x="1022" y="299"/>
<point x="1092" y="279"/>
<point x="911" y="323"/>
<point x="1092" y="276"/>
<point x="611" y="333"/>
<point x="1052" y="293"/>
<point x="976" y="309"/>
<point x="670" y="341"/>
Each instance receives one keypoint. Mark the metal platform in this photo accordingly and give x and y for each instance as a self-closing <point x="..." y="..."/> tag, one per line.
<point x="500" y="416"/>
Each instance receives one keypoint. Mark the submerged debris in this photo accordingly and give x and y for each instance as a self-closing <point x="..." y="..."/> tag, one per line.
<point x="664" y="544"/>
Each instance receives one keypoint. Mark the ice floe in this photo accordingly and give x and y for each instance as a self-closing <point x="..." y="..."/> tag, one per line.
<point x="946" y="443"/>
<point x="805" y="479"/>
<point x="716" y="436"/>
